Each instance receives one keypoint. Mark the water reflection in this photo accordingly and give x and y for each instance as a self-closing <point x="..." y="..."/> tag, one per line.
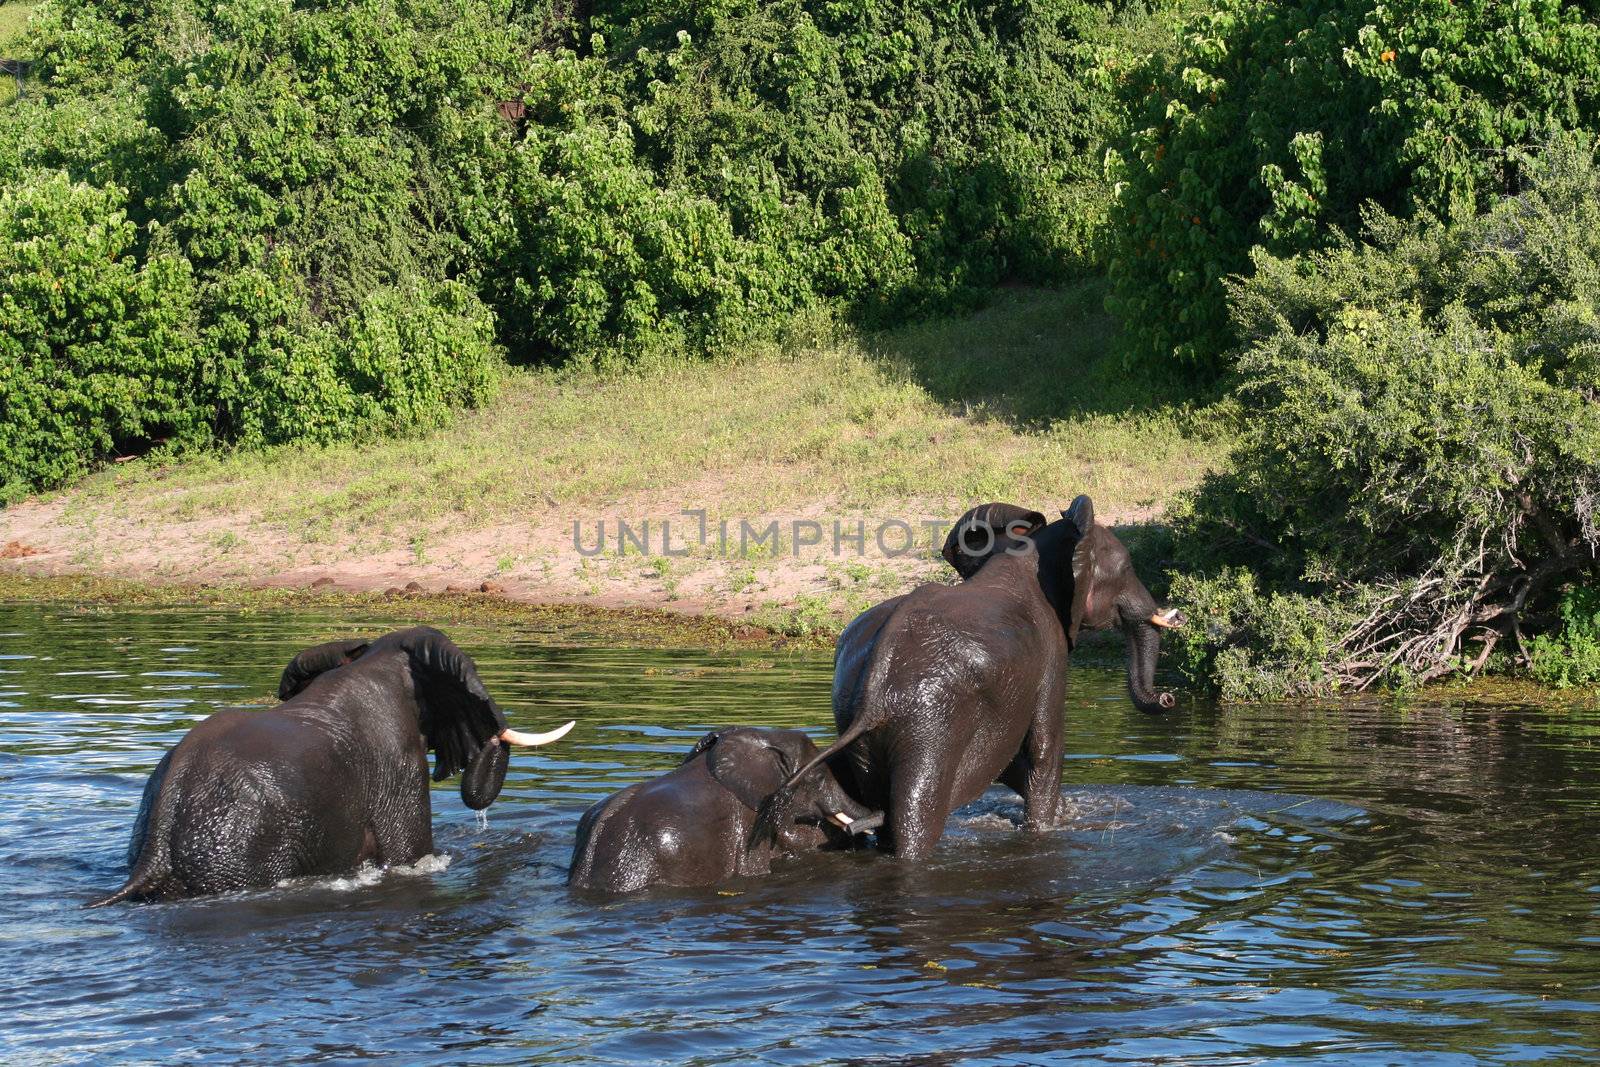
<point x="1334" y="884"/>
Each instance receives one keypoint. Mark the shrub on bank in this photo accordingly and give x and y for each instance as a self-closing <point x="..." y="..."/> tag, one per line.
<point x="103" y="354"/>
<point x="968" y="137"/>
<point x="97" y="350"/>
<point x="1417" y="473"/>
<point x="358" y="197"/>
<point x="403" y="357"/>
<point x="1274" y="123"/>
<point x="239" y="229"/>
<point x="1570" y="654"/>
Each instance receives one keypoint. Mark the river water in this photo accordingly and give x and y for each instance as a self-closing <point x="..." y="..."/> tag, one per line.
<point x="1361" y="883"/>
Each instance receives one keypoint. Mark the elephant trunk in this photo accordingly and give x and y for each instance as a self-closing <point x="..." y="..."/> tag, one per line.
<point x="846" y="814"/>
<point x="1144" y="647"/>
<point x="485" y="773"/>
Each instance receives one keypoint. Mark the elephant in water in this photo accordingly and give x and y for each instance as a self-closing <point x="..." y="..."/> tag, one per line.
<point x="688" y="827"/>
<point x="334" y="777"/>
<point x="946" y="689"/>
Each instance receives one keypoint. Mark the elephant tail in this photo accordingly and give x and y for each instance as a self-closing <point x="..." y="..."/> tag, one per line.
<point x="775" y="810"/>
<point x="148" y="877"/>
<point x="129" y="888"/>
<point x="148" y="855"/>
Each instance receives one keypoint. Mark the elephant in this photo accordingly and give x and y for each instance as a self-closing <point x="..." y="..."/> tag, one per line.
<point x="333" y="777"/>
<point x="941" y="691"/>
<point x="688" y="826"/>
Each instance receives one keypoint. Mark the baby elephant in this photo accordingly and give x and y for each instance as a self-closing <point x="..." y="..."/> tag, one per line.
<point x="690" y="827"/>
<point x="334" y="777"/>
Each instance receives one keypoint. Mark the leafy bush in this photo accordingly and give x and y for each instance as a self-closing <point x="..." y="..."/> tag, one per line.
<point x="1275" y="123"/>
<point x="1571" y="656"/>
<point x="97" y="352"/>
<point x="584" y="254"/>
<point x="224" y="225"/>
<point x="402" y="358"/>
<point x="337" y="181"/>
<point x="968" y="136"/>
<point x="1255" y="644"/>
<point x="700" y="173"/>
<point x="1418" y="466"/>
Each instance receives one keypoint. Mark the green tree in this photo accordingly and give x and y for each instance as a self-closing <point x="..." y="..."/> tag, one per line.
<point x="1417" y="475"/>
<point x="97" y="350"/>
<point x="1274" y="123"/>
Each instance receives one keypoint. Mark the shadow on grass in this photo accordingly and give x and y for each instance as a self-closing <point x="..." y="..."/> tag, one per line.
<point x="1031" y="357"/>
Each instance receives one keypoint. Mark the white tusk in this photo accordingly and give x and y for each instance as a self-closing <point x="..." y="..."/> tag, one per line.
<point x="842" y="819"/>
<point x="1164" y="619"/>
<point x="514" y="737"/>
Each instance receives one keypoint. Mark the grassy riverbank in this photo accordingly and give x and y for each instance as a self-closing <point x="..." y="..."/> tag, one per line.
<point x="13" y="19"/>
<point x="1020" y="401"/>
<point x="636" y="626"/>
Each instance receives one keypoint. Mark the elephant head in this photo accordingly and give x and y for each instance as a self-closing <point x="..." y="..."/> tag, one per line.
<point x="459" y="722"/>
<point x="985" y="530"/>
<point x="754" y="764"/>
<point x="1105" y="590"/>
<point x="1107" y="593"/>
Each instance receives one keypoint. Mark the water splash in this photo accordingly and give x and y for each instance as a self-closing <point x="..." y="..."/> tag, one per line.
<point x="370" y="874"/>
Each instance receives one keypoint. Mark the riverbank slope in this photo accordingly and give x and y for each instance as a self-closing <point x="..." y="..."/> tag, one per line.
<point x="786" y="487"/>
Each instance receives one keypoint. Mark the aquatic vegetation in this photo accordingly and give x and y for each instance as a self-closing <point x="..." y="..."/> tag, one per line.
<point x="645" y="627"/>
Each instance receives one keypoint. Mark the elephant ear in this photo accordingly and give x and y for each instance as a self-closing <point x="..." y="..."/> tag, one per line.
<point x="747" y="766"/>
<point x="318" y="660"/>
<point x="702" y="745"/>
<point x="1080" y="516"/>
<point x="980" y="532"/>
<point x="457" y="716"/>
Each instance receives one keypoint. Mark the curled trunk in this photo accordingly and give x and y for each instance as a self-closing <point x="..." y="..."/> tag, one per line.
<point x="1144" y="646"/>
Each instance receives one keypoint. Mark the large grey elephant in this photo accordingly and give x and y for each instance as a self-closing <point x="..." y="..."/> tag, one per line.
<point x="333" y="777"/>
<point x="688" y="827"/>
<point x="946" y="689"/>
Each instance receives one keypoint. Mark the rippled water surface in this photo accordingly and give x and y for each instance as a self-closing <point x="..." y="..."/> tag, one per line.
<point x="1363" y="884"/>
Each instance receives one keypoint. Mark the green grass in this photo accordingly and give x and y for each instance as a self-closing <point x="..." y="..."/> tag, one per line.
<point x="13" y="20"/>
<point x="1019" y="402"/>
<point x="636" y="626"/>
<point x="13" y="23"/>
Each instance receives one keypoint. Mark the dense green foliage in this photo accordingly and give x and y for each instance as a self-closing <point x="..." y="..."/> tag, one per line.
<point x="220" y="224"/>
<point x="926" y="151"/>
<point x="1570" y="655"/>
<point x="1275" y="123"/>
<point x="329" y="214"/>
<point x="95" y="349"/>
<point x="1418" y="470"/>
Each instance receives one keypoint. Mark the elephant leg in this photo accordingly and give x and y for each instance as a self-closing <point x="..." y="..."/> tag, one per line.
<point x="919" y="806"/>
<point x="404" y="831"/>
<point x="1036" y="771"/>
<point x="1015" y="776"/>
<point x="1035" y="776"/>
<point x="859" y="777"/>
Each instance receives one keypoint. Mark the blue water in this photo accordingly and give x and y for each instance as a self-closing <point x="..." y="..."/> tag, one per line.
<point x="1360" y="883"/>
